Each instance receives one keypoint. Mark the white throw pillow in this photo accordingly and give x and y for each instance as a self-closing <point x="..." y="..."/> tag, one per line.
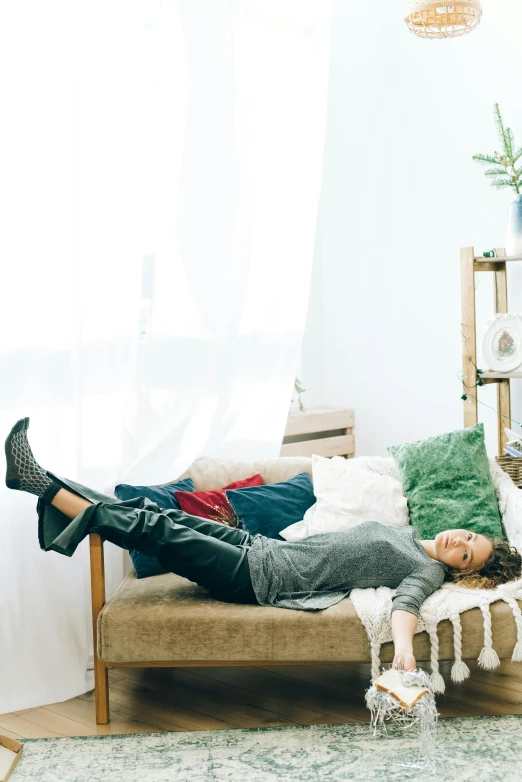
<point x="348" y="494"/>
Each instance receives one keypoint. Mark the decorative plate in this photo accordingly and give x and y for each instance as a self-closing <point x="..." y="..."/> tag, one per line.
<point x="502" y="342"/>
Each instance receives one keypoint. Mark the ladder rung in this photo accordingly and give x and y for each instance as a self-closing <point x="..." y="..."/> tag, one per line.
<point x="481" y="259"/>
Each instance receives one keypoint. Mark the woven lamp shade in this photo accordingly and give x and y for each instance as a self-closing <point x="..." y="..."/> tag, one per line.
<point x="442" y="18"/>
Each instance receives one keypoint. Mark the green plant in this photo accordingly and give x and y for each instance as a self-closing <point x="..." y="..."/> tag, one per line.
<point x="300" y="390"/>
<point x="505" y="173"/>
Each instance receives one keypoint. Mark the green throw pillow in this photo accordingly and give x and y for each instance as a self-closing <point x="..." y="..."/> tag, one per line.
<point x="448" y="483"/>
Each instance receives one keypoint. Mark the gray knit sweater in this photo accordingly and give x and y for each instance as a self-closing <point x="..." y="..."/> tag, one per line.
<point x="319" y="571"/>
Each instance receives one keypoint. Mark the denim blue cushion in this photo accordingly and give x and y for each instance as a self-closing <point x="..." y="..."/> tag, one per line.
<point x="164" y="497"/>
<point x="266" y="510"/>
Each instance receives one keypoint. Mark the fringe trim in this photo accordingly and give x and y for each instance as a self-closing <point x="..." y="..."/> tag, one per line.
<point x="459" y="670"/>
<point x="437" y="681"/>
<point x="376" y="662"/>
<point x="488" y="658"/>
<point x="517" y="651"/>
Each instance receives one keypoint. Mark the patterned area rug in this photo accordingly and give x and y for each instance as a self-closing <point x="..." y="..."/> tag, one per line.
<point x="481" y="749"/>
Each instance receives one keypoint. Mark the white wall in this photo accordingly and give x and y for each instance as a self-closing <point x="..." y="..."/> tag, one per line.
<point x="401" y="195"/>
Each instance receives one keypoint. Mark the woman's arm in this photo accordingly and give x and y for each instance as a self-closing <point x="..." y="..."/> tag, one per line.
<point x="407" y="601"/>
<point x="403" y="628"/>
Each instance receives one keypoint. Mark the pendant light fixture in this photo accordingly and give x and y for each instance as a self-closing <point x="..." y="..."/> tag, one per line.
<point x="442" y="18"/>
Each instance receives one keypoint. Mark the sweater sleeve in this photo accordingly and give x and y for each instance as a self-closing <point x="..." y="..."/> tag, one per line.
<point x="415" y="588"/>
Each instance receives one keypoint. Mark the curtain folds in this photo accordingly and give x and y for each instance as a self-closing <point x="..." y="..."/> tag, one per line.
<point x="161" y="172"/>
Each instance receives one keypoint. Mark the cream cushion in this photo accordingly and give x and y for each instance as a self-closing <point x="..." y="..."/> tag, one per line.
<point x="210" y="473"/>
<point x="347" y="495"/>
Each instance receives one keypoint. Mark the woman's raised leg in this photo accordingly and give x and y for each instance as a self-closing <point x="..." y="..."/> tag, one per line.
<point x="70" y="504"/>
<point x="23" y="471"/>
<point x="138" y="524"/>
<point x="220" y="566"/>
<point x="232" y="535"/>
<point x="25" y="474"/>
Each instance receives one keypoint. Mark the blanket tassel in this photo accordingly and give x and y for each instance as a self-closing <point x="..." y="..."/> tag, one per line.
<point x="437" y="682"/>
<point x="459" y="669"/>
<point x="376" y="662"/>
<point x="517" y="651"/>
<point x="488" y="658"/>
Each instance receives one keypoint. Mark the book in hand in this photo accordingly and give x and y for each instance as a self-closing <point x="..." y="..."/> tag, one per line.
<point x="392" y="681"/>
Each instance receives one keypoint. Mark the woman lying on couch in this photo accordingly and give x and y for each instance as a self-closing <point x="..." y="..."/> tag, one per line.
<point x="234" y="566"/>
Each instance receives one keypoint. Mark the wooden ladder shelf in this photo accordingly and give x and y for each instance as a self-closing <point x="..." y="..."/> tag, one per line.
<point x="469" y="264"/>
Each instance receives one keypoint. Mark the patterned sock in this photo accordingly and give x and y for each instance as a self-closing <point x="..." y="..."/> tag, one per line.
<point x="23" y="471"/>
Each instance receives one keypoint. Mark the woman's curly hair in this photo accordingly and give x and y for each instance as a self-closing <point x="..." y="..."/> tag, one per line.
<point x="504" y="564"/>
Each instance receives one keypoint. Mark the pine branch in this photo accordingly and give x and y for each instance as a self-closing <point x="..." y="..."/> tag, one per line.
<point x="504" y="173"/>
<point x="485" y="159"/>
<point x="501" y="183"/>
<point x="495" y="172"/>
<point x="502" y="133"/>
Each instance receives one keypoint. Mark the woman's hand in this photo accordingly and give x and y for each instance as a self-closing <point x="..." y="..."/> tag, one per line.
<point x="403" y="628"/>
<point x="404" y="660"/>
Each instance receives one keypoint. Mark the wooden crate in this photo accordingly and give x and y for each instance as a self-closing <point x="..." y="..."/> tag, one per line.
<point x="331" y="427"/>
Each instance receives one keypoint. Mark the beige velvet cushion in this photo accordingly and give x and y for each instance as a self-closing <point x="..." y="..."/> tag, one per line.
<point x="167" y="618"/>
<point x="210" y="473"/>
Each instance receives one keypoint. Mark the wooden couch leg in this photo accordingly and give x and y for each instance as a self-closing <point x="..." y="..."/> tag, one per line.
<point x="101" y="678"/>
<point x="101" y="692"/>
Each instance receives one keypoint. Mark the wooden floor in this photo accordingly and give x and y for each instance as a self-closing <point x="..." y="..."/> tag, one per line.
<point x="180" y="699"/>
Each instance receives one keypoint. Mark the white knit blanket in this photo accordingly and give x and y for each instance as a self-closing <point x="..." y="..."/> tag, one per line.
<point x="374" y="606"/>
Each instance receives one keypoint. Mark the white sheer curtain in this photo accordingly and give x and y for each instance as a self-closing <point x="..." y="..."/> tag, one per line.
<point x="161" y="166"/>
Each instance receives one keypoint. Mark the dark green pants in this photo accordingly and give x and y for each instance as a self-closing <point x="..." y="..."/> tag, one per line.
<point x="206" y="552"/>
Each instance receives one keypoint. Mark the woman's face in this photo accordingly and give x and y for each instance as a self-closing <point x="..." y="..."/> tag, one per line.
<point x="462" y="549"/>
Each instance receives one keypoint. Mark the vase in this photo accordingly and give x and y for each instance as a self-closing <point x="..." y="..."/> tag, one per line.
<point x="514" y="229"/>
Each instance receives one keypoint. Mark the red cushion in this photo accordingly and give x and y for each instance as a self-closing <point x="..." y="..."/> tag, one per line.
<point x="213" y="504"/>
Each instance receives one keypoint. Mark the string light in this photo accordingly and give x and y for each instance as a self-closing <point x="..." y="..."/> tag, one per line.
<point x="511" y="420"/>
<point x="479" y="382"/>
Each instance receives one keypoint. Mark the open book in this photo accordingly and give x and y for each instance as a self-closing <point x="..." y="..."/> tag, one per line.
<point x="392" y="681"/>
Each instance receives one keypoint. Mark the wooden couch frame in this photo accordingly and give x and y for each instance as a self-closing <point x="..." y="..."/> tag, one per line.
<point x="101" y="668"/>
<point x="101" y="674"/>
